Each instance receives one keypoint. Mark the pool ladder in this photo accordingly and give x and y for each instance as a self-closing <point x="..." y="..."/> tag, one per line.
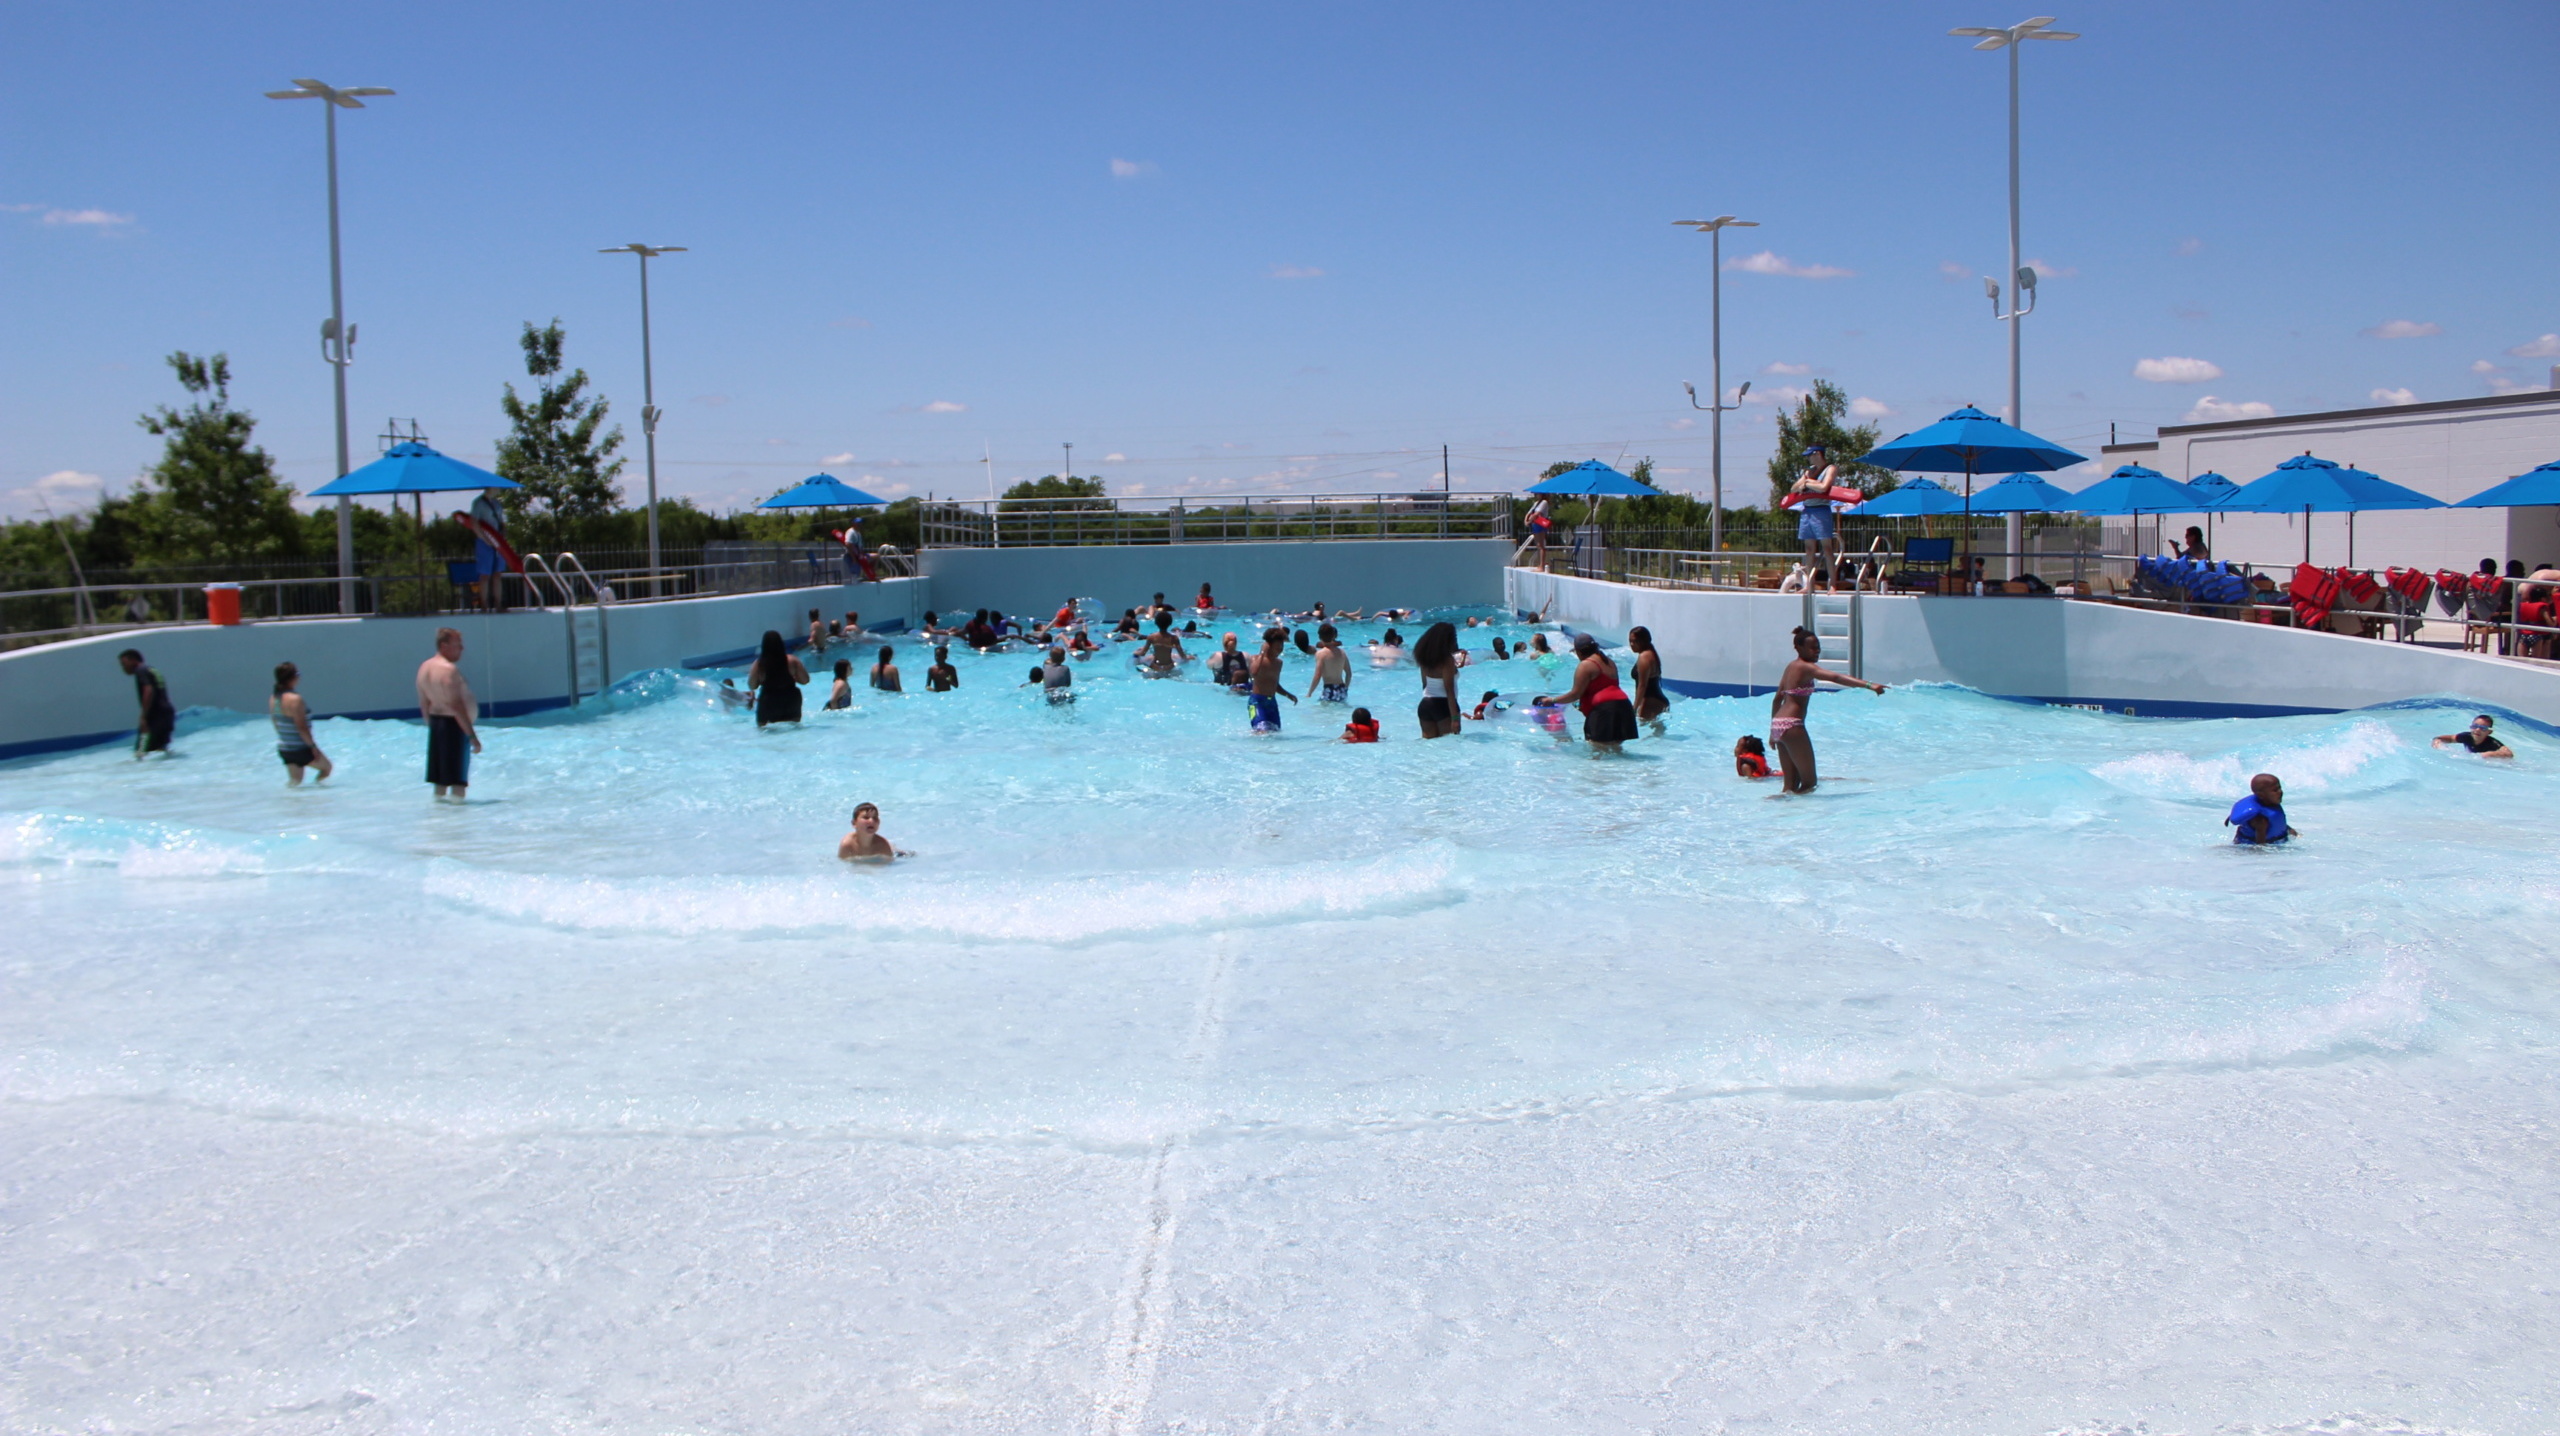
<point x="590" y="638"/>
<point x="1835" y="619"/>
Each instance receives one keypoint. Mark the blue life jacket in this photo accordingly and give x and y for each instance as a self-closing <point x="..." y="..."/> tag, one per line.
<point x="2248" y="808"/>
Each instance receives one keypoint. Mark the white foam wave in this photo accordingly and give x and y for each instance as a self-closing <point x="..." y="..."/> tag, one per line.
<point x="2326" y="763"/>
<point x="1071" y="911"/>
<point x="143" y="849"/>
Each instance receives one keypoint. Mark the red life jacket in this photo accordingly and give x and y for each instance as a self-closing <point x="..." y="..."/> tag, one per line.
<point x="2358" y="585"/>
<point x="1751" y="765"/>
<point x="1360" y="733"/>
<point x="2488" y="583"/>
<point x="2314" y="592"/>
<point x="2411" y="584"/>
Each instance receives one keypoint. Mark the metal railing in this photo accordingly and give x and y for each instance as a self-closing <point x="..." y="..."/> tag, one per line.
<point x="1241" y="518"/>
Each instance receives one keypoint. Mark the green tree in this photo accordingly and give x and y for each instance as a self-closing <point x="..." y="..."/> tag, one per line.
<point x="1052" y="492"/>
<point x="214" y="495"/>
<point x="555" y="450"/>
<point x="1817" y="419"/>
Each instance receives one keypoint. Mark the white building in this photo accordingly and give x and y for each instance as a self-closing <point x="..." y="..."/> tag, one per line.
<point x="2448" y="450"/>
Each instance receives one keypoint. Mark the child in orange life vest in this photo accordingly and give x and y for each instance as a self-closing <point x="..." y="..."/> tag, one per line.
<point x="1750" y="759"/>
<point x="1361" y="729"/>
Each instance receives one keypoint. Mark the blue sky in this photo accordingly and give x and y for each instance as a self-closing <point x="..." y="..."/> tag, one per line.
<point x="1252" y="247"/>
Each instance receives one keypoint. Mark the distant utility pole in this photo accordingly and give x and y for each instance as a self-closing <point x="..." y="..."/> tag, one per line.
<point x="648" y="389"/>
<point x="1071" y="461"/>
<point x="2022" y="300"/>
<point x="1714" y="230"/>
<point x="337" y="336"/>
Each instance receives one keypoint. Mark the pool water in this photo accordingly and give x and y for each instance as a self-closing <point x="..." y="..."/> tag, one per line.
<point x="1191" y="1079"/>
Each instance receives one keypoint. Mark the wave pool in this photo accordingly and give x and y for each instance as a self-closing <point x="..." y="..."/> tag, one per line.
<point x="1190" y="1081"/>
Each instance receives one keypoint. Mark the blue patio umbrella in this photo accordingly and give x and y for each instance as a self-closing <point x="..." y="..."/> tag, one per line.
<point x="2315" y="485"/>
<point x="2530" y="489"/>
<point x="1919" y="498"/>
<point x="411" y="468"/>
<point x="820" y="491"/>
<point x="2022" y="494"/>
<point x="1970" y="442"/>
<point x="2213" y="488"/>
<point x="2135" y="489"/>
<point x="1593" y="479"/>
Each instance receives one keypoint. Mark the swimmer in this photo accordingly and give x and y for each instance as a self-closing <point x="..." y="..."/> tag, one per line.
<point x="1501" y="653"/>
<point x="941" y="677"/>
<point x="1204" y="602"/>
<point x="1787" y="710"/>
<point x="1266" y="681"/>
<point x="1490" y="704"/>
<point x="1750" y="760"/>
<point x="864" y="844"/>
<point x="775" y="678"/>
<point x="978" y="633"/>
<point x="1608" y="719"/>
<point x="1160" y="650"/>
<point x="1300" y="638"/>
<point x="817" y="634"/>
<point x="1333" y="667"/>
<point x="731" y="696"/>
<point x="1436" y="656"/>
<point x="1361" y="729"/>
<point x="1057" y="681"/>
<point x="1538" y="645"/>
<point x="1126" y="630"/>
<point x="2259" y="818"/>
<point x="2481" y="738"/>
<point x="292" y="719"/>
<point x="1229" y="668"/>
<point x="1065" y="615"/>
<point x="841" y="695"/>
<point x="1651" y="702"/>
<point x="1081" y="644"/>
<point x="933" y="628"/>
<point x="884" y="674"/>
<point x="853" y="627"/>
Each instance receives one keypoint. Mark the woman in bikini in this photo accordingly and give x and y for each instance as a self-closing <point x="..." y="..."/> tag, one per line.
<point x="1787" y="711"/>
<point x="1651" y="702"/>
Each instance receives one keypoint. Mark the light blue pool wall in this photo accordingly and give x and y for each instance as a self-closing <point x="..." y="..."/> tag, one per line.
<point x="2124" y="659"/>
<point x="1250" y="577"/>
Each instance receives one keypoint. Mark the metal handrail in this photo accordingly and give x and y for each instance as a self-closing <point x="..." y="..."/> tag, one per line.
<point x="604" y="636"/>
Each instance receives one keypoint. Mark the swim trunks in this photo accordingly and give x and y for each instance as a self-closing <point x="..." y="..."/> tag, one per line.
<point x="1266" y="713"/>
<point x="1815" y="524"/>
<point x="1334" y="693"/>
<point x="448" y="752"/>
<point x="297" y="757"/>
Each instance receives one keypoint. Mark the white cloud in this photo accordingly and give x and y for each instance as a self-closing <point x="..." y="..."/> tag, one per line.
<point x="1131" y="169"/>
<point x="1863" y="408"/>
<point x="2210" y="410"/>
<point x="1782" y="395"/>
<point x="1295" y="271"/>
<point x="98" y="218"/>
<point x="66" y="488"/>
<point x="832" y="460"/>
<point x="945" y="406"/>
<point x="1770" y="261"/>
<point x="2395" y="396"/>
<point x="1684" y="423"/>
<point x="1783" y="367"/>
<point x="2175" y="370"/>
<point x="2402" y="329"/>
<point x="2546" y="347"/>
<point x="2191" y="245"/>
<point x="2483" y="366"/>
<point x="2047" y="269"/>
<point x="1115" y="458"/>
<point x="2504" y="385"/>
<point x="850" y="321"/>
<point x="19" y="208"/>
<point x="1952" y="271"/>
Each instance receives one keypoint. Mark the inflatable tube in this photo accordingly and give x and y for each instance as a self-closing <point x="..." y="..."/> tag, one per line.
<point x="490" y="536"/>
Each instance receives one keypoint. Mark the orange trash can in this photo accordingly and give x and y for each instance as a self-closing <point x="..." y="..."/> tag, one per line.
<point x="222" y="603"/>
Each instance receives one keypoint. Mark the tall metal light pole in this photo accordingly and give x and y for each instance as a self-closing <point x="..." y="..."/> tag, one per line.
<point x="337" y="336"/>
<point x="648" y="390"/>
<point x="2022" y="301"/>
<point x="1714" y="230"/>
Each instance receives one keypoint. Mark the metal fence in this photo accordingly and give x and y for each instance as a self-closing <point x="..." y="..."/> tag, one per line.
<point x="1047" y="523"/>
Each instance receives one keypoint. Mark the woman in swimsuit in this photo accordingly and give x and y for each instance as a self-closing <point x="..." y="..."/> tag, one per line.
<point x="1437" y="656"/>
<point x="1651" y="703"/>
<point x="1608" y="719"/>
<point x="1787" y="711"/>
<point x="775" y="677"/>
<point x="884" y="674"/>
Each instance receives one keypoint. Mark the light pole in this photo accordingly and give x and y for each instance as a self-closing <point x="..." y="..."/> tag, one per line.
<point x="2022" y="301"/>
<point x="337" y="336"/>
<point x="1714" y="230"/>
<point x="648" y="390"/>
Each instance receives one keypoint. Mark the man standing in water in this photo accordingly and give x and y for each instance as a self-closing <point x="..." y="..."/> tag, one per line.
<point x="444" y="700"/>
<point x="159" y="718"/>
<point x="1333" y="666"/>
<point x="1266" y="681"/>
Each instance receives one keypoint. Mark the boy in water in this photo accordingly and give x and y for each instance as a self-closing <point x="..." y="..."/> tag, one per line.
<point x="864" y="844"/>
<point x="1361" y="729"/>
<point x="1333" y="667"/>
<point x="1266" y="681"/>
<point x="2259" y="817"/>
<point x="941" y="677"/>
<point x="1161" y="648"/>
<point x="2481" y="738"/>
<point x="159" y="719"/>
<point x="1487" y="706"/>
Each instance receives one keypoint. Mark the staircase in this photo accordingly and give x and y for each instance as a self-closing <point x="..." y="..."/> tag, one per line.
<point x="1833" y="617"/>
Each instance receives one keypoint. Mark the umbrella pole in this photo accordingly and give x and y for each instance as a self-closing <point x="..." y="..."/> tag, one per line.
<point x="2306" y="533"/>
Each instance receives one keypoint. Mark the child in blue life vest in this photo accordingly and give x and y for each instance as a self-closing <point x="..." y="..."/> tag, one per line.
<point x="2259" y="818"/>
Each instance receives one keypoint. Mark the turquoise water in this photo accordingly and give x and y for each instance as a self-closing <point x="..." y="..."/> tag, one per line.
<point x="1136" y="935"/>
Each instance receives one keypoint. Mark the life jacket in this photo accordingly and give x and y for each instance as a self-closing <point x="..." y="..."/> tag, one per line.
<point x="2450" y="589"/>
<point x="2410" y="583"/>
<point x="2314" y="592"/>
<point x="2488" y="583"/>
<point x="2227" y="586"/>
<point x="2248" y="808"/>
<point x="1360" y="733"/>
<point x="1752" y="765"/>
<point x="1065" y="616"/>
<point x="2357" y="585"/>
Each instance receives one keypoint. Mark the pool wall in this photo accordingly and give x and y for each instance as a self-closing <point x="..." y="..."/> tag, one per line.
<point x="1343" y="573"/>
<point x="2046" y="650"/>
<point x="73" y="694"/>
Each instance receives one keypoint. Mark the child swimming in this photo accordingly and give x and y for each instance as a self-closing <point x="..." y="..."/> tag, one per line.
<point x="864" y="844"/>
<point x="2259" y="818"/>
<point x="841" y="696"/>
<point x="1361" y="729"/>
<point x="1750" y="758"/>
